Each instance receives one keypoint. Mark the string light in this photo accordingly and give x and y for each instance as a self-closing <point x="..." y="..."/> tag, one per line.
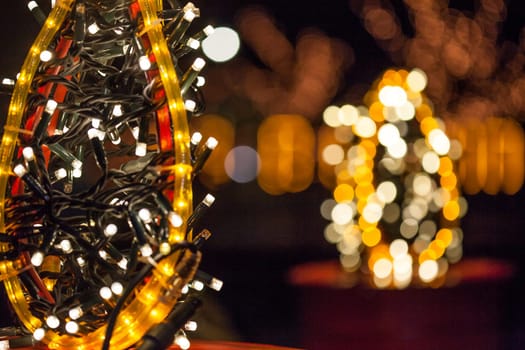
<point x="52" y="322"/>
<point x="110" y="230"/>
<point x="39" y="334"/>
<point x="200" y="81"/>
<point x="120" y="229"/>
<point x="75" y="313"/>
<point x="72" y="327"/>
<point x="31" y="181"/>
<point x="189" y="77"/>
<point x="105" y="293"/>
<point x="190" y="105"/>
<point x="46" y="56"/>
<point x="41" y="128"/>
<point x="117" y="288"/>
<point x="144" y="63"/>
<point x="93" y="29"/>
<point x="182" y="341"/>
<point x="37" y="258"/>
<point x="190" y="326"/>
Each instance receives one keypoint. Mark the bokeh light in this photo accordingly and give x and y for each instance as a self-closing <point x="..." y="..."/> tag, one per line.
<point x="344" y="193"/>
<point x="365" y="127"/>
<point x="300" y="76"/>
<point x="387" y="191"/>
<point x="417" y="80"/>
<point x="331" y="116"/>
<point x="467" y="67"/>
<point x="392" y="96"/>
<point x="333" y="154"/>
<point x="397" y="173"/>
<point x="222" y="45"/>
<point x="286" y="147"/>
<point x="493" y="154"/>
<point x="428" y="270"/>
<point x="382" y="268"/>
<point x="242" y="164"/>
<point x="342" y="214"/>
<point x="388" y="134"/>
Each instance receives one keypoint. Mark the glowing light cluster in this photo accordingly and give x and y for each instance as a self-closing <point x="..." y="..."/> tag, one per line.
<point x="396" y="206"/>
<point x="454" y="47"/>
<point x="107" y="249"/>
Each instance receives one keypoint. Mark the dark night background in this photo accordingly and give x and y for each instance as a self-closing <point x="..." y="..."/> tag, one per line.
<point x="257" y="237"/>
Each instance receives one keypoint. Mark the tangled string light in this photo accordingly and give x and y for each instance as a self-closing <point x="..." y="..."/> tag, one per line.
<point x="96" y="169"/>
<point x="396" y="204"/>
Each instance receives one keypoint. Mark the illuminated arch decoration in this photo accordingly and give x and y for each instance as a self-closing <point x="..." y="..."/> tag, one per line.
<point x="396" y="206"/>
<point x="96" y="169"/>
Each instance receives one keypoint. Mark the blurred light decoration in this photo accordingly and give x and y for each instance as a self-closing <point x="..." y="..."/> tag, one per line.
<point x="474" y="75"/>
<point x="242" y="164"/>
<point x="222" y="44"/>
<point x="473" y="71"/>
<point x="286" y="147"/>
<point x="493" y="159"/>
<point x="396" y="204"/>
<point x="96" y="168"/>
<point x="296" y="79"/>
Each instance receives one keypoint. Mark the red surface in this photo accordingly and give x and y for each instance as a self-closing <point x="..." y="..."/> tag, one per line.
<point x="207" y="345"/>
<point x="214" y="345"/>
<point x="330" y="274"/>
<point x="337" y="312"/>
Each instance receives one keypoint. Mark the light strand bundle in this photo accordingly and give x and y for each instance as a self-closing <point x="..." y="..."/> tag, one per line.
<point x="95" y="174"/>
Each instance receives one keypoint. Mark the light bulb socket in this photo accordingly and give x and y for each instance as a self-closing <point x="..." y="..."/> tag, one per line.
<point x="191" y="74"/>
<point x="202" y="157"/>
<point x="65" y="155"/>
<point x="41" y="127"/>
<point x="136" y="224"/>
<point x="182" y="24"/>
<point x="31" y="181"/>
<point x="80" y="23"/>
<point x="37" y="12"/>
<point x="95" y="137"/>
<point x="199" y="211"/>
